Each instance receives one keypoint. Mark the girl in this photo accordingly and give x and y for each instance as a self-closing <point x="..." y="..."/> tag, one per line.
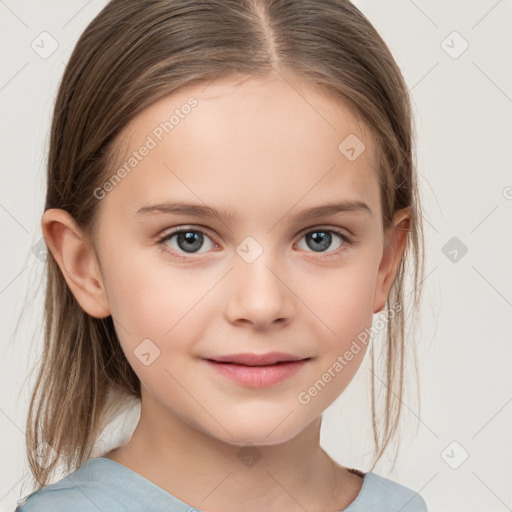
<point x="231" y="197"/>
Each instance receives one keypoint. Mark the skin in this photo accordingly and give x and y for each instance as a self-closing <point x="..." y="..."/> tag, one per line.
<point x="265" y="149"/>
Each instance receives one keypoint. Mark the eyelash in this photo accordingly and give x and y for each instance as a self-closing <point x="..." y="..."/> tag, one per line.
<point x="165" y="249"/>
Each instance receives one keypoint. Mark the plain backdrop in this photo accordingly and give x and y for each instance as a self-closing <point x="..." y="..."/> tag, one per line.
<point x="456" y="59"/>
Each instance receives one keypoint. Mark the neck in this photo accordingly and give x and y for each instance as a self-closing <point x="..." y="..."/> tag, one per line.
<point x="210" y="474"/>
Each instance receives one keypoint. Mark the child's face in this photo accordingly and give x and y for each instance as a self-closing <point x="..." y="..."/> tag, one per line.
<point x="259" y="282"/>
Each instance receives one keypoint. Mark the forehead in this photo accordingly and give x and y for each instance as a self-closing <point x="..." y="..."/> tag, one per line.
<point x="250" y="142"/>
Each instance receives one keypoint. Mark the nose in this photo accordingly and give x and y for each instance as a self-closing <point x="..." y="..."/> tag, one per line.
<point x="259" y="294"/>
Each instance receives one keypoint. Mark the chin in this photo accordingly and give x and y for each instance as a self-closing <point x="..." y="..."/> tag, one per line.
<point x="263" y="431"/>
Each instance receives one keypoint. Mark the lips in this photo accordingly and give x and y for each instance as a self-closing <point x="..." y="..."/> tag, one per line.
<point x="257" y="370"/>
<point x="257" y="359"/>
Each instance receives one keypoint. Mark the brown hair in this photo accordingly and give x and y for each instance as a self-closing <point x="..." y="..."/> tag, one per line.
<point x="135" y="52"/>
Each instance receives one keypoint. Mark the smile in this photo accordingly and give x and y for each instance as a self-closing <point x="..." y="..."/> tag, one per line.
<point x="257" y="371"/>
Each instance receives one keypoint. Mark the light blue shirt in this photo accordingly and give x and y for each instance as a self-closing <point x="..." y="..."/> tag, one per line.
<point x="102" y="485"/>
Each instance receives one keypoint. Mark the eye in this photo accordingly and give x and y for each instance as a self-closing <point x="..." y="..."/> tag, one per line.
<point x="320" y="239"/>
<point x="191" y="240"/>
<point x="187" y="240"/>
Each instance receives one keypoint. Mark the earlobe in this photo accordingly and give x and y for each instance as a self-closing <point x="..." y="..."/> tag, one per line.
<point x="391" y="257"/>
<point x="77" y="261"/>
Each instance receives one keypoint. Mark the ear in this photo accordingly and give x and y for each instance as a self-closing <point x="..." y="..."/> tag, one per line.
<point x="395" y="239"/>
<point x="77" y="261"/>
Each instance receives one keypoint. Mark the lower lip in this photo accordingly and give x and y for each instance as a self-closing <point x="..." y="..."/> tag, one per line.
<point x="257" y="376"/>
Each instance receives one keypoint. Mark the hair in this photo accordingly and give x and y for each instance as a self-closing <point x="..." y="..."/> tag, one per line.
<point x="135" y="52"/>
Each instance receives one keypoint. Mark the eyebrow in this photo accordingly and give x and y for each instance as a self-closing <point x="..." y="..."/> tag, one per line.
<point x="199" y="210"/>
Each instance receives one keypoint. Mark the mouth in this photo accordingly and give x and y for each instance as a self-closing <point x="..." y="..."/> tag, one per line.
<point x="257" y="370"/>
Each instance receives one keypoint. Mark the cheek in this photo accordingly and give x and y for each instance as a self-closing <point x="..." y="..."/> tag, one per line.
<point x="147" y="297"/>
<point x="343" y="307"/>
<point x="156" y="308"/>
<point x="341" y="300"/>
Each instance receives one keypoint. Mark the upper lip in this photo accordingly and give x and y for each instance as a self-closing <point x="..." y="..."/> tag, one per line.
<point x="256" y="359"/>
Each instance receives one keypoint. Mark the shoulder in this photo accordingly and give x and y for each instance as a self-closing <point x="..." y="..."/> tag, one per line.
<point x="381" y="493"/>
<point x="78" y="491"/>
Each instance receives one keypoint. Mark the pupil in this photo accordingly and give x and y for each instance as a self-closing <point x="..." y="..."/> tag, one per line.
<point x="190" y="241"/>
<point x="323" y="241"/>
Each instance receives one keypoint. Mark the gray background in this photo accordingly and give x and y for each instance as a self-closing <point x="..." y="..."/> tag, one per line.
<point x="463" y="109"/>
